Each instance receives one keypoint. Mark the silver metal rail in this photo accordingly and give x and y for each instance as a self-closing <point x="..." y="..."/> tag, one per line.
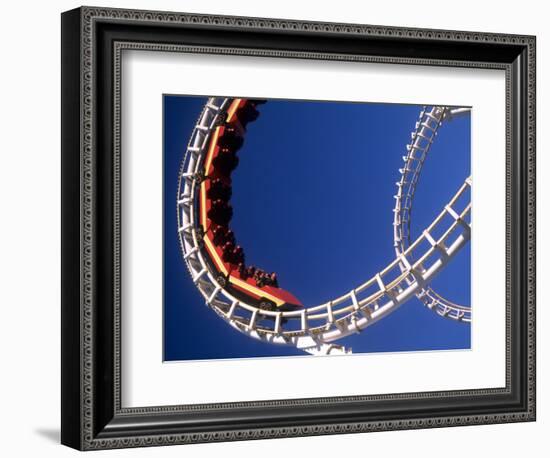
<point x="426" y="129"/>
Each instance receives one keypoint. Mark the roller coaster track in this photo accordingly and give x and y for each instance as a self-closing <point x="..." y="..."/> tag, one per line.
<point x="422" y="138"/>
<point x="315" y="329"/>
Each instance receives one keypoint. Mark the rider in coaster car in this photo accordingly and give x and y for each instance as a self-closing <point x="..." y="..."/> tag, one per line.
<point x="227" y="251"/>
<point x="237" y="255"/>
<point x="233" y="254"/>
<point x="260" y="277"/>
<point x="273" y="280"/>
<point x="222" y="235"/>
<point x="250" y="271"/>
<point x="230" y="236"/>
<point x="225" y="162"/>
<point x="218" y="233"/>
<point x="230" y="139"/>
<point x="241" y="268"/>
<point x="219" y="190"/>
<point x="220" y="213"/>
<point x="247" y="113"/>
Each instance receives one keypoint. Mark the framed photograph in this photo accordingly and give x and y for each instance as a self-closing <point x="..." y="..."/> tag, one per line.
<point x="276" y="228"/>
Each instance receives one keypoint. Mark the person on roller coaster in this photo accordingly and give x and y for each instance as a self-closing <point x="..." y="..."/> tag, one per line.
<point x="225" y="162"/>
<point x="219" y="190"/>
<point x="220" y="212"/>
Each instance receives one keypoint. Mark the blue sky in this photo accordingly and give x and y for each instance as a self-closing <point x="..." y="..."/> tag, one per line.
<point x="313" y="199"/>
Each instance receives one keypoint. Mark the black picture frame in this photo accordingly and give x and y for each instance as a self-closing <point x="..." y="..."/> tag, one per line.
<point x="92" y="416"/>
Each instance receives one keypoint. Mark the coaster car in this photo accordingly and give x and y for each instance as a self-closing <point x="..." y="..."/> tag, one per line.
<point x="224" y="256"/>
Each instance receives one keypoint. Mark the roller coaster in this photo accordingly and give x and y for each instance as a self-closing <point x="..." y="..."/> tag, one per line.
<point x="250" y="298"/>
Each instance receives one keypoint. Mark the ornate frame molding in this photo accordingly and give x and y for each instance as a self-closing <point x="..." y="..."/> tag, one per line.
<point x="90" y="433"/>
